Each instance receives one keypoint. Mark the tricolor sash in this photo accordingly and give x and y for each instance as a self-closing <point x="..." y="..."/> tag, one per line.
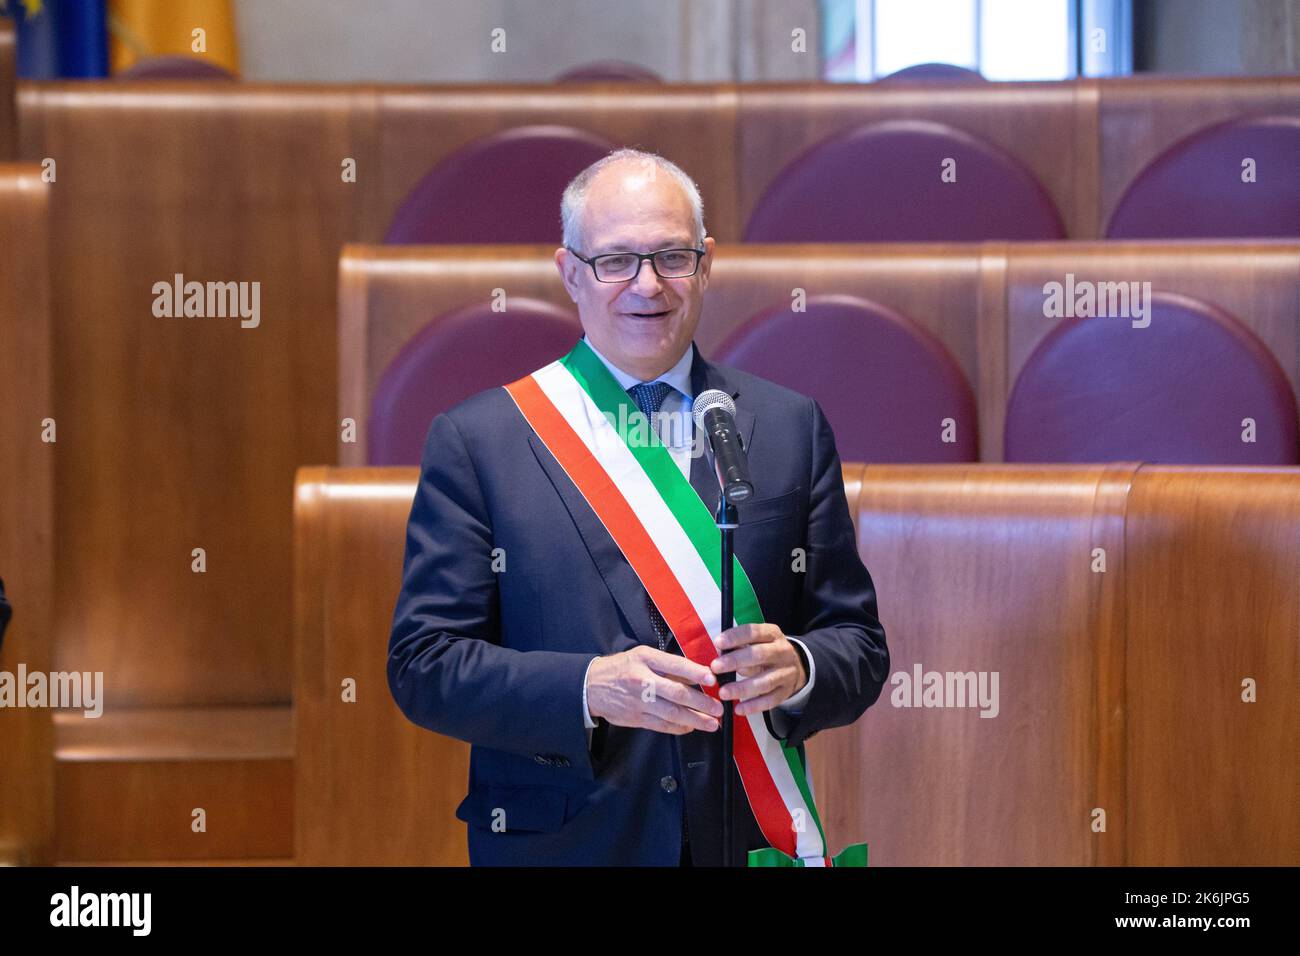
<point x="585" y="420"/>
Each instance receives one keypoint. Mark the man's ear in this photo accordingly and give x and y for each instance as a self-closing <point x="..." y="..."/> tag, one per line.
<point x="706" y="263"/>
<point x="565" y="263"/>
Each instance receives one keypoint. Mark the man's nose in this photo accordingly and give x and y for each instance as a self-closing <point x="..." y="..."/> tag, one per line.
<point x="646" y="281"/>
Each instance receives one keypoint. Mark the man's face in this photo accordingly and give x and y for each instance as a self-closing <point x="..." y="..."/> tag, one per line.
<point x="644" y="324"/>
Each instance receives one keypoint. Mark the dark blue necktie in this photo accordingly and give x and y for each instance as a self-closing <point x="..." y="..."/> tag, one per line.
<point x="649" y="396"/>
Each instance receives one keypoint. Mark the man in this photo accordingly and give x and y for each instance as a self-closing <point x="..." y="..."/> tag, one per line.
<point x="524" y="624"/>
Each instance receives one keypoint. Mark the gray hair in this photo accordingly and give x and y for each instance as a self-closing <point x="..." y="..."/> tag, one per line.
<point x="575" y="194"/>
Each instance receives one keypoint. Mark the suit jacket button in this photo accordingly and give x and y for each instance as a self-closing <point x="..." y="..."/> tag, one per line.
<point x="668" y="783"/>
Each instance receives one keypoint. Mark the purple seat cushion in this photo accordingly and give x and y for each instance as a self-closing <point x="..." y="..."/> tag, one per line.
<point x="885" y="383"/>
<point x="933" y="73"/>
<point x="1176" y="392"/>
<point x="882" y="183"/>
<point x="609" y="71"/>
<point x="503" y="188"/>
<point x="1195" y="189"/>
<point x="452" y="358"/>
<point x="174" y="68"/>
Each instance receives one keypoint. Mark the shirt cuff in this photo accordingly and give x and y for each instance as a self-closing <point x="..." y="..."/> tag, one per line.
<point x="586" y="714"/>
<point x="794" y="705"/>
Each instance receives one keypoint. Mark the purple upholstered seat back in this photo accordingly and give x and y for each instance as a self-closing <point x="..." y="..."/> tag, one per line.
<point x="452" y="358"/>
<point x="174" y="68"/>
<point x="609" y="71"/>
<point x="1196" y="187"/>
<point x="883" y="183"/>
<point x="933" y="73"/>
<point x="1175" y="392"/>
<point x="885" y="383"/>
<point x="502" y="188"/>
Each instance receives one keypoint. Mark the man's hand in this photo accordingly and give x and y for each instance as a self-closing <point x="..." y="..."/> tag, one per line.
<point x="773" y="671"/>
<point x="650" y="688"/>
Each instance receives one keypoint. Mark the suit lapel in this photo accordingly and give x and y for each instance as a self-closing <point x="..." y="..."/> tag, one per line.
<point x="624" y="585"/>
<point x="704" y="376"/>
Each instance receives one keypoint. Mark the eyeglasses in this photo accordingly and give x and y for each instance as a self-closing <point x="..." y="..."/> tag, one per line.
<point x="621" y="266"/>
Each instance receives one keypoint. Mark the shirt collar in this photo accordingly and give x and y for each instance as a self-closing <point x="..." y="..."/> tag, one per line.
<point x="679" y="376"/>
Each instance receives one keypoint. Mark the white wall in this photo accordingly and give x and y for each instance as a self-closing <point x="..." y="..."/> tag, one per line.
<point x="1224" y="36"/>
<point x="448" y="41"/>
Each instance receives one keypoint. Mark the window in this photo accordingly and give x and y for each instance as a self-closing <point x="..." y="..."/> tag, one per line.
<point x="864" y="40"/>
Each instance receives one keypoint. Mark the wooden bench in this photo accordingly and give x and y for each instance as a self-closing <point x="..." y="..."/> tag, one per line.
<point x="1121" y="607"/>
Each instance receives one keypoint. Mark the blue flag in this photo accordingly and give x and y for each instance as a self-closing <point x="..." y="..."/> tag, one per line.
<point x="59" y="38"/>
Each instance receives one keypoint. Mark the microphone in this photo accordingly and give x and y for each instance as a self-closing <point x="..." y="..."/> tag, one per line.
<point x="715" y="414"/>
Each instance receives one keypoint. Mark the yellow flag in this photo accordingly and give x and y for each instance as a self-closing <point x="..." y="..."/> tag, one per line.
<point x="204" y="29"/>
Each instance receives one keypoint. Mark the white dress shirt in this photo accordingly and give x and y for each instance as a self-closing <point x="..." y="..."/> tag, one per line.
<point x="676" y="427"/>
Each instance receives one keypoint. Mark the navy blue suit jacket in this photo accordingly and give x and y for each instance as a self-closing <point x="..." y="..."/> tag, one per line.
<point x="497" y="657"/>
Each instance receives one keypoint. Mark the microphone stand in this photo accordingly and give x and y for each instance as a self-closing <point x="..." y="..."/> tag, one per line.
<point x="727" y="518"/>
<point x="732" y="470"/>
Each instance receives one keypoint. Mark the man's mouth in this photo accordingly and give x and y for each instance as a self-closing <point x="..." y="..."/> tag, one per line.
<point x="649" y="315"/>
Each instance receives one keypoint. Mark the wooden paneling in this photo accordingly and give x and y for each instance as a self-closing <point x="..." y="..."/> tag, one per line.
<point x="987" y="569"/>
<point x="1214" y="602"/>
<point x="134" y="810"/>
<point x="1256" y="282"/>
<point x="388" y="293"/>
<point x="991" y="386"/>
<point x="1120" y="736"/>
<point x="1085" y="140"/>
<point x="372" y="787"/>
<point x="131" y="785"/>
<point x="1141" y="117"/>
<point x="27" y="466"/>
<point x="1050" y="127"/>
<point x="984" y="301"/>
<point x="694" y="126"/>
<point x="237" y="184"/>
<point x="184" y="433"/>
